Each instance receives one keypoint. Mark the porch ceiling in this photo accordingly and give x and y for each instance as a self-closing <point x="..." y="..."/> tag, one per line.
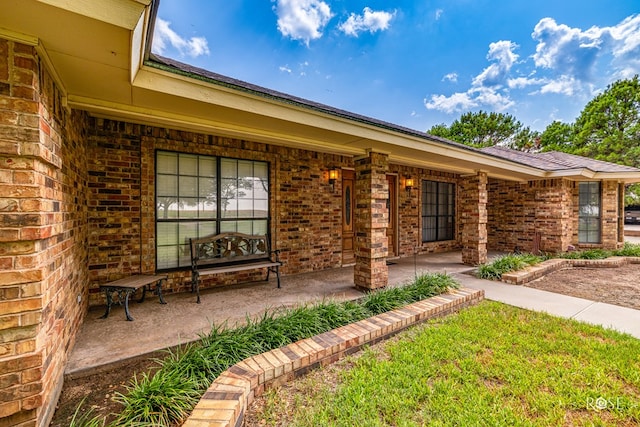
<point x="95" y="51"/>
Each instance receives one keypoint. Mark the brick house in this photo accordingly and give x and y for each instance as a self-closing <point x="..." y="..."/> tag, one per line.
<point x="110" y="158"/>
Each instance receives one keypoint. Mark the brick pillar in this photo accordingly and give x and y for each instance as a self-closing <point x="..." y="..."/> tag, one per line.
<point x="553" y="212"/>
<point x="43" y="272"/>
<point x="371" y="221"/>
<point x="610" y="216"/>
<point x="473" y="217"/>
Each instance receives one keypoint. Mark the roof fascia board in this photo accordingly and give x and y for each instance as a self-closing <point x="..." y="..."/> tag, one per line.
<point x="121" y="13"/>
<point x="117" y="111"/>
<point x="139" y="40"/>
<point x="159" y="80"/>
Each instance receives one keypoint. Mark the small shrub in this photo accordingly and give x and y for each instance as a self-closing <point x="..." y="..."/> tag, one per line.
<point x="629" y="249"/>
<point x="159" y="400"/>
<point x="587" y="254"/>
<point x="506" y="263"/>
<point x="86" y="418"/>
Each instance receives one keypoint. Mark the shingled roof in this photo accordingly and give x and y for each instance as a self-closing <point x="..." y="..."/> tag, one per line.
<point x="547" y="162"/>
<point x="556" y="161"/>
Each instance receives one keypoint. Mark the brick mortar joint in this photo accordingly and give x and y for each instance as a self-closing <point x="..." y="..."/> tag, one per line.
<point x="461" y="298"/>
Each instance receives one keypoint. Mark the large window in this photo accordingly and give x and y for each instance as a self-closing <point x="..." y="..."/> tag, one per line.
<point x="201" y="195"/>
<point x="589" y="212"/>
<point x="438" y="211"/>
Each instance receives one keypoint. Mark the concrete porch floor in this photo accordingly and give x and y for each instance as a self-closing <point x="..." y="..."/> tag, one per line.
<point x="104" y="342"/>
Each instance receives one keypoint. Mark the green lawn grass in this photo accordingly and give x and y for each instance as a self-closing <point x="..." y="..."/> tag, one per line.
<point x="490" y="365"/>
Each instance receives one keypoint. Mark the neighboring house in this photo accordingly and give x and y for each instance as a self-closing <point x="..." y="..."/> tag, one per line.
<point x="111" y="158"/>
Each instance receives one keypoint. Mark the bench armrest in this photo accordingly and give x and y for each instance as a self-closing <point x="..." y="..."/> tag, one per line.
<point x="275" y="253"/>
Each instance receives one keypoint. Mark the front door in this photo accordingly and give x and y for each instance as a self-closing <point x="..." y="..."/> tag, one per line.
<point x="392" y="206"/>
<point x="348" y="205"/>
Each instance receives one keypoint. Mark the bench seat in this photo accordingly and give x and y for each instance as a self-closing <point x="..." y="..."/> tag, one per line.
<point x="231" y="252"/>
<point x="127" y="286"/>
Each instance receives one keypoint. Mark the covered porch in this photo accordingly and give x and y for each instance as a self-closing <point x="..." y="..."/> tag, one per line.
<point x="104" y="343"/>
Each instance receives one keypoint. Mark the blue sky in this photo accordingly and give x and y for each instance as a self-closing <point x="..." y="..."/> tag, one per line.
<point x="414" y="63"/>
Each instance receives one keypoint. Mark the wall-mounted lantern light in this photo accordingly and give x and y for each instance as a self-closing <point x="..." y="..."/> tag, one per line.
<point x="333" y="177"/>
<point x="409" y="183"/>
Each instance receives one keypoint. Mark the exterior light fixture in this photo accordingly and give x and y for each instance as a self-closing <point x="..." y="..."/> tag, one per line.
<point x="409" y="183"/>
<point x="333" y="177"/>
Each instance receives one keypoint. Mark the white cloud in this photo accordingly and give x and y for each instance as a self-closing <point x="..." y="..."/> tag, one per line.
<point x="459" y="101"/>
<point x="302" y="19"/>
<point x="491" y="97"/>
<point x="285" y="69"/>
<point x="566" y="50"/>
<point x="522" y="82"/>
<point x="564" y="85"/>
<point x="439" y="13"/>
<point x="451" y="77"/>
<point x="485" y="88"/>
<point x="163" y="36"/>
<point x="370" y="20"/>
<point x="626" y="46"/>
<point x="502" y="52"/>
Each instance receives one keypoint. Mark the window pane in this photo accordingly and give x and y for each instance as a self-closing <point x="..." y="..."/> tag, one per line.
<point x="229" y="168"/>
<point x="260" y="208"/>
<point x="167" y="208"/>
<point x="260" y="227"/>
<point x="188" y="208"/>
<point x="188" y="164"/>
<point x="261" y="171"/>
<point x="227" y="226"/>
<point x="589" y="212"/>
<point x="188" y="186"/>
<point x="206" y="210"/>
<point x="194" y="192"/>
<point x="229" y="208"/>
<point x="167" y="185"/>
<point x="207" y="166"/>
<point x="206" y="229"/>
<point x="167" y="163"/>
<point x="207" y="188"/>
<point x="167" y="233"/>
<point x="245" y="227"/>
<point x="438" y="211"/>
<point x="245" y="169"/>
<point x="167" y="257"/>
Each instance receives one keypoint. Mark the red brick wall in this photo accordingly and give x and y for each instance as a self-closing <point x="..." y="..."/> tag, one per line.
<point x="544" y="215"/>
<point x="306" y="214"/>
<point x="42" y="236"/>
<point x="410" y="211"/>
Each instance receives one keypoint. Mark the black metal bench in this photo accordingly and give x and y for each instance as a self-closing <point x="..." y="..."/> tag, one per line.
<point x="231" y="252"/>
<point x="127" y="286"/>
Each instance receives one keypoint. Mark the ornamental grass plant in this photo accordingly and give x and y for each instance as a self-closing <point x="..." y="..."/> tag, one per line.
<point x="513" y="262"/>
<point x="167" y="397"/>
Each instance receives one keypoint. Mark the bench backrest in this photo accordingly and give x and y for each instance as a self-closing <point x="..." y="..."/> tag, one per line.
<point x="228" y="248"/>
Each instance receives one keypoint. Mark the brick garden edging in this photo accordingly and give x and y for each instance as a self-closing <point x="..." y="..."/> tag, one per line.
<point x="226" y="400"/>
<point x="534" y="272"/>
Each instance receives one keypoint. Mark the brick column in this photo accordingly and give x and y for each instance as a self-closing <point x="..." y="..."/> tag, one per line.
<point x="553" y="212"/>
<point x="473" y="217"/>
<point x="611" y="238"/>
<point x="43" y="236"/>
<point x="371" y="221"/>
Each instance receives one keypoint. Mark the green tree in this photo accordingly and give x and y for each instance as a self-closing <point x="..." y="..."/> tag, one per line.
<point x="558" y="136"/>
<point x="609" y="126"/>
<point x="484" y="129"/>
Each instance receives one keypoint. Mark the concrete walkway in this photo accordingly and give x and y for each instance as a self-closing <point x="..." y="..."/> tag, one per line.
<point x="104" y="342"/>
<point x="623" y="319"/>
